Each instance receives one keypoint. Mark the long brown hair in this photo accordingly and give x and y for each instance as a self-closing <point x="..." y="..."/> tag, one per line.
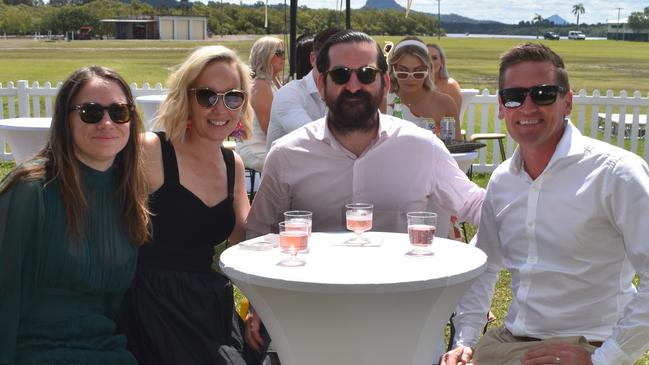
<point x="57" y="162"/>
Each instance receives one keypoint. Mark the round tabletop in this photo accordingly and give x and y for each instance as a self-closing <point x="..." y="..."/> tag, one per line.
<point x="336" y="267"/>
<point x="35" y="124"/>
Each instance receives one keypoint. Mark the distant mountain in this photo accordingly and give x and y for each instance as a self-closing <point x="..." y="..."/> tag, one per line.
<point x="454" y="18"/>
<point x="446" y="18"/>
<point x="557" y="20"/>
<point x="383" y="4"/>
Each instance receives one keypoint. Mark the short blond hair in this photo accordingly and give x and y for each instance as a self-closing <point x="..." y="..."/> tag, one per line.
<point x="174" y="110"/>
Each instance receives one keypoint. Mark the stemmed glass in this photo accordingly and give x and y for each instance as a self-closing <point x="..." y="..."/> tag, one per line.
<point x="421" y="231"/>
<point x="293" y="238"/>
<point x="299" y="216"/>
<point x="359" y="220"/>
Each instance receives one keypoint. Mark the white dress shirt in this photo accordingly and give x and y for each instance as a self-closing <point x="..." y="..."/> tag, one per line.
<point x="404" y="169"/>
<point x="572" y="239"/>
<point x="295" y="104"/>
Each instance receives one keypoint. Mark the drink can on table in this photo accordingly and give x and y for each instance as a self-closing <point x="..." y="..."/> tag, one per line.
<point x="447" y="129"/>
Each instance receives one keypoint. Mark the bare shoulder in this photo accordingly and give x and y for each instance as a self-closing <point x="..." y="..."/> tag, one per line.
<point x="238" y="163"/>
<point x="453" y="83"/>
<point x="152" y="157"/>
<point x="150" y="146"/>
<point x="261" y="87"/>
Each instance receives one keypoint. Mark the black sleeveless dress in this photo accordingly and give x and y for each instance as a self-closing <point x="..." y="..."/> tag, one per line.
<point x="178" y="310"/>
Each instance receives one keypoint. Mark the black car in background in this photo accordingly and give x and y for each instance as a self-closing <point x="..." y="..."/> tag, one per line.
<point x="551" y="35"/>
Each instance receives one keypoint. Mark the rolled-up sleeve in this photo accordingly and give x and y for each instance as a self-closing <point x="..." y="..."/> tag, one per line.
<point x="272" y="199"/>
<point x="453" y="190"/>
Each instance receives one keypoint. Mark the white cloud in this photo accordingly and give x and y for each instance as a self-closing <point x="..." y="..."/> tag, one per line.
<point x="506" y="11"/>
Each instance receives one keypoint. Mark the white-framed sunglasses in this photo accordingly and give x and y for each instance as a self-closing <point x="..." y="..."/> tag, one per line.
<point x="417" y="75"/>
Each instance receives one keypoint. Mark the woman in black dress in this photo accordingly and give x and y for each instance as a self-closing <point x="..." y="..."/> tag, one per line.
<point x="178" y="310"/>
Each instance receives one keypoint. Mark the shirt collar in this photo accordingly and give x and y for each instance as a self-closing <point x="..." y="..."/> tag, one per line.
<point x="311" y="86"/>
<point x="570" y="144"/>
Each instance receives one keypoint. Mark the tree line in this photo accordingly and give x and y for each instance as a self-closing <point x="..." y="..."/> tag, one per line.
<point x="639" y="20"/>
<point x="26" y="17"/>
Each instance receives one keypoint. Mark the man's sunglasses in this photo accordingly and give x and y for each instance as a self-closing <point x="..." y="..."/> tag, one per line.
<point x="417" y="75"/>
<point x="341" y="75"/>
<point x="541" y="95"/>
<point x="207" y="98"/>
<point x="93" y="113"/>
<point x="280" y="53"/>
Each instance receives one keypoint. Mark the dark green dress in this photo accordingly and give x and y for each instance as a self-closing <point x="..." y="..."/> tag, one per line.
<point x="58" y="298"/>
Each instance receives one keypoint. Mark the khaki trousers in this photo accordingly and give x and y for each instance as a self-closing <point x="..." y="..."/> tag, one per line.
<point x="499" y="347"/>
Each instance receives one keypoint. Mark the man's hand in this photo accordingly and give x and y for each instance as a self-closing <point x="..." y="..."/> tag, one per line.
<point x="252" y="333"/>
<point x="460" y="355"/>
<point x="557" y="353"/>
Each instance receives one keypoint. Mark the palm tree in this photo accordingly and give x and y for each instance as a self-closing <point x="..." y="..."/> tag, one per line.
<point x="538" y="19"/>
<point x="578" y="9"/>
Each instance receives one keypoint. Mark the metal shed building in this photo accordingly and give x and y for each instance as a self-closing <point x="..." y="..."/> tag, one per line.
<point x="160" y="27"/>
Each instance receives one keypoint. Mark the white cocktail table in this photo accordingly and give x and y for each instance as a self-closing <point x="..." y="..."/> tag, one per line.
<point x="356" y="305"/>
<point x="26" y="136"/>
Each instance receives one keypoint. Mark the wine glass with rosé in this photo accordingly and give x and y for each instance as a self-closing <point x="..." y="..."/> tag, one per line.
<point x="293" y="238"/>
<point x="359" y="220"/>
<point x="421" y="231"/>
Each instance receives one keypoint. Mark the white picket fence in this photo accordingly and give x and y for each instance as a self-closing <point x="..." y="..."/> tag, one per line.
<point x="595" y="115"/>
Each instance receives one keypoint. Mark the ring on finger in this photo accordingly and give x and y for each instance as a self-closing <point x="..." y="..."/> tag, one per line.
<point x="557" y="360"/>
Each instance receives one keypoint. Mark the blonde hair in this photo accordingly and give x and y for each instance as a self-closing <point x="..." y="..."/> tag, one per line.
<point x="174" y="110"/>
<point x="412" y="49"/>
<point x="261" y="56"/>
<point x="443" y="71"/>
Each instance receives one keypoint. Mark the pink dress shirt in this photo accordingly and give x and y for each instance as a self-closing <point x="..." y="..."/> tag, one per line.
<point x="406" y="168"/>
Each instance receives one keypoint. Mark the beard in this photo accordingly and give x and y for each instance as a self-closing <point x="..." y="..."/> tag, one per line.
<point x="352" y="112"/>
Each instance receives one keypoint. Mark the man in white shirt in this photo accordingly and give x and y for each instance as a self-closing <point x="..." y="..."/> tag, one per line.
<point x="567" y="216"/>
<point x="298" y="102"/>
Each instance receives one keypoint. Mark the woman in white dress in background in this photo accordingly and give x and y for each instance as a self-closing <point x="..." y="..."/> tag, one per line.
<point x="267" y="58"/>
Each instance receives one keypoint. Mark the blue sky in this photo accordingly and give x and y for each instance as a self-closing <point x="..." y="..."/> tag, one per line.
<point x="506" y="11"/>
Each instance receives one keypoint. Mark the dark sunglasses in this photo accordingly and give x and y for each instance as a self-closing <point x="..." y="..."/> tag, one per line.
<point x="93" y="113"/>
<point x="541" y="95"/>
<point x="341" y="75"/>
<point x="207" y="98"/>
<point x="280" y="53"/>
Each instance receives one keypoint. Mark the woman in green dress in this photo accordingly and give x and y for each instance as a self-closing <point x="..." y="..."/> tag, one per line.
<point x="71" y="219"/>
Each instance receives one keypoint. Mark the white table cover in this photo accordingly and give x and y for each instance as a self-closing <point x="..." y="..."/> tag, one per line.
<point x="356" y="305"/>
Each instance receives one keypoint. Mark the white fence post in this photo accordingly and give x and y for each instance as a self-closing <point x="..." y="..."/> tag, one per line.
<point x="23" y="98"/>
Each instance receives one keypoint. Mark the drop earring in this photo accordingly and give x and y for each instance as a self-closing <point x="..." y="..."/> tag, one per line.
<point x="238" y="132"/>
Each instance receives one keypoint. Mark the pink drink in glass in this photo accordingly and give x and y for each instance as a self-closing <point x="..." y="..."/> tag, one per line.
<point x="421" y="235"/>
<point x="421" y="231"/>
<point x="359" y="223"/>
<point x="293" y="240"/>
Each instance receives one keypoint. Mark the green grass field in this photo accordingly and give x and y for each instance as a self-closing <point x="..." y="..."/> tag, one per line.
<point x="473" y="62"/>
